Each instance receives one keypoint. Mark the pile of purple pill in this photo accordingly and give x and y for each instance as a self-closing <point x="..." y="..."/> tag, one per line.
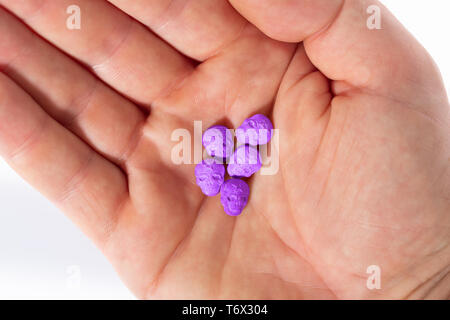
<point x="242" y="162"/>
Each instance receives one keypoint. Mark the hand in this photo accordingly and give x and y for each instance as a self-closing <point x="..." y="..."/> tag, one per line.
<point x="364" y="143"/>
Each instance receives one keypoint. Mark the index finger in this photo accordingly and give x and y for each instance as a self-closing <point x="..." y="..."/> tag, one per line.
<point x="121" y="51"/>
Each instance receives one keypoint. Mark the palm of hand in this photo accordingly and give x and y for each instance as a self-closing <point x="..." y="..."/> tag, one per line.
<point x="358" y="185"/>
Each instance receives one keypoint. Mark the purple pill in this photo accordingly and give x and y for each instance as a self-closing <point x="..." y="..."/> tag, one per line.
<point x="244" y="162"/>
<point x="209" y="176"/>
<point x="255" y="130"/>
<point x="234" y="196"/>
<point x="218" y="142"/>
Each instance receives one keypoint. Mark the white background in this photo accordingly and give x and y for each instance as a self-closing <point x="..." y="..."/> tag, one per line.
<point x="41" y="251"/>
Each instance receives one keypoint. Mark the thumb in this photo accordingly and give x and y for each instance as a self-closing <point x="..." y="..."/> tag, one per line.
<point x="343" y="42"/>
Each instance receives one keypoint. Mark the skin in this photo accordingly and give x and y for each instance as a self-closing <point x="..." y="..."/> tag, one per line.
<point x="86" y="117"/>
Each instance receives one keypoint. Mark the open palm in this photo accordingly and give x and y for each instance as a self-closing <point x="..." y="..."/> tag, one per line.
<point x="364" y="144"/>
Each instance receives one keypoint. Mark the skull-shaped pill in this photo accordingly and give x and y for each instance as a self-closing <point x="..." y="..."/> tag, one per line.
<point x="209" y="176"/>
<point x="218" y="142"/>
<point x="234" y="196"/>
<point x="256" y="130"/>
<point x="244" y="162"/>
